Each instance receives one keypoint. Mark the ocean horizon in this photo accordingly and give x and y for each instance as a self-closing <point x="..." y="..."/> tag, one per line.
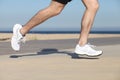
<point x="66" y="32"/>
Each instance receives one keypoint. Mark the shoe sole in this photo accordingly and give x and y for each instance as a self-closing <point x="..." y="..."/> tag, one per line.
<point x="15" y="30"/>
<point x="85" y="54"/>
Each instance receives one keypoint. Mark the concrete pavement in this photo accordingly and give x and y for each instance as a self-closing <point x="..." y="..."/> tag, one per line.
<point x="61" y="65"/>
<point x="51" y="62"/>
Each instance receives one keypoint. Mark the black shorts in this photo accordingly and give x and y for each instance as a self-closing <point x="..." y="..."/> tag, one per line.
<point x="63" y="1"/>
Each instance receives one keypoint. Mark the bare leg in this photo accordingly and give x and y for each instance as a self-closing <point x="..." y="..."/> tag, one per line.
<point x="54" y="9"/>
<point x="88" y="19"/>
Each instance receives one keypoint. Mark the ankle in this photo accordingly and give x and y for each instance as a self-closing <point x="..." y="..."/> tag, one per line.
<point x="22" y="32"/>
<point x="82" y="43"/>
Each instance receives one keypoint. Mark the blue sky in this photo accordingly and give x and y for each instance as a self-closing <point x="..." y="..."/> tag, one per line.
<point x="20" y="11"/>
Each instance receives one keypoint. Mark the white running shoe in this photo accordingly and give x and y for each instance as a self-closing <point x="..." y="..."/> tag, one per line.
<point x="17" y="37"/>
<point x="87" y="50"/>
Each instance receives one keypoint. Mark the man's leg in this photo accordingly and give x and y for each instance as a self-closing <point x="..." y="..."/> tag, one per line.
<point x="19" y="31"/>
<point x="83" y="48"/>
<point x="54" y="9"/>
<point x="87" y="20"/>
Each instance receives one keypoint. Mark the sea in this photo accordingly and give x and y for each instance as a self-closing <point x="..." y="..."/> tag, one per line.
<point x="67" y="32"/>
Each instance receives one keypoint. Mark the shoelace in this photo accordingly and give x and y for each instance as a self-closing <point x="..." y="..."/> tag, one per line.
<point x="22" y="40"/>
<point x="93" y="46"/>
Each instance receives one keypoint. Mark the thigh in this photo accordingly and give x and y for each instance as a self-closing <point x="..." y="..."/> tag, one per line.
<point x="56" y="6"/>
<point x="89" y="3"/>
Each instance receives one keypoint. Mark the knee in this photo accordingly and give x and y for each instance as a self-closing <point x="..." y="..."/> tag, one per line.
<point x="56" y="11"/>
<point x="93" y="6"/>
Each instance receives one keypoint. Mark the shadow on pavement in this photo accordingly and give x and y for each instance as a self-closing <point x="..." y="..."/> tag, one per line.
<point x="54" y="51"/>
